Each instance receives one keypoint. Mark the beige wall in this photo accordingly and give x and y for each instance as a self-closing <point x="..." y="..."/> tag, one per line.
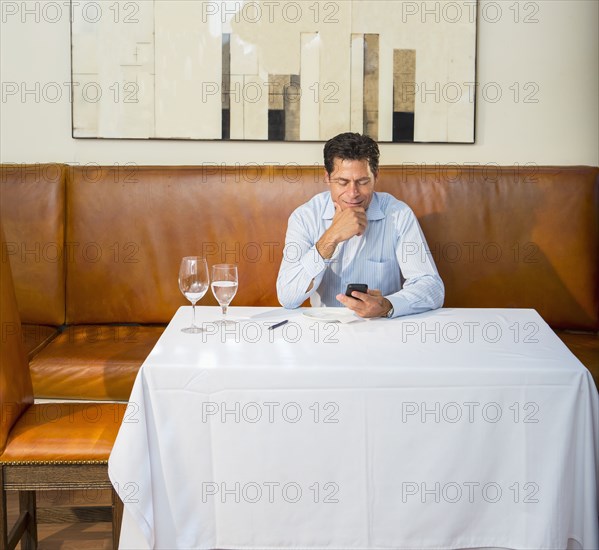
<point x="550" y="54"/>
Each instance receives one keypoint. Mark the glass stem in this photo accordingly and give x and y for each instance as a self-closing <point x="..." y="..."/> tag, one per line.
<point x="193" y="306"/>
<point x="224" y="308"/>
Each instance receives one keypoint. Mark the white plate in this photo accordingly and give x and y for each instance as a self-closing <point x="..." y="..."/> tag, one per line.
<point x="331" y="314"/>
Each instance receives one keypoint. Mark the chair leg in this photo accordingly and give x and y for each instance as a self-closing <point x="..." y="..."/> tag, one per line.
<point x="117" y="518"/>
<point x="3" y="514"/>
<point x="25" y="530"/>
<point x="27" y="506"/>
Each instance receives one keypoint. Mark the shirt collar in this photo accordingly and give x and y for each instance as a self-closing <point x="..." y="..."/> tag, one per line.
<point x="373" y="213"/>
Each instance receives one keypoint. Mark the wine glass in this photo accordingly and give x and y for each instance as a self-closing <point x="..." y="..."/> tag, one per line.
<point x="193" y="283"/>
<point x="224" y="287"/>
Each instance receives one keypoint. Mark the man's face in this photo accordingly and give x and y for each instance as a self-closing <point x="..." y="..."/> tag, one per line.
<point x="351" y="183"/>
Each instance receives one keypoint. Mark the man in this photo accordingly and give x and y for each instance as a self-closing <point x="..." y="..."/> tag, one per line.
<point x="351" y="234"/>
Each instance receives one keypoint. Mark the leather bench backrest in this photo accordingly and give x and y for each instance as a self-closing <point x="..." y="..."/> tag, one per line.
<point x="135" y="225"/>
<point x="32" y="207"/>
<point x="523" y="237"/>
<point x="501" y="237"/>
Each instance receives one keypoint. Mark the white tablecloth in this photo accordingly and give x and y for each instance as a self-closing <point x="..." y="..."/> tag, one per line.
<point x="457" y="428"/>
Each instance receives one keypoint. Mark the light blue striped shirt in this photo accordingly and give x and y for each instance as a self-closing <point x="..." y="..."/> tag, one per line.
<point x="391" y="256"/>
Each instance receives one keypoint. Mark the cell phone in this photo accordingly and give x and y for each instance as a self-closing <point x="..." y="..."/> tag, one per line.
<point x="360" y="287"/>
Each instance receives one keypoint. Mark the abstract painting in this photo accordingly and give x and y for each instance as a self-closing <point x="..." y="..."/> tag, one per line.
<point x="274" y="70"/>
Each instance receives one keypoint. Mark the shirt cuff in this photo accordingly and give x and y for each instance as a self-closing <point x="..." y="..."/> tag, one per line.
<point x="401" y="306"/>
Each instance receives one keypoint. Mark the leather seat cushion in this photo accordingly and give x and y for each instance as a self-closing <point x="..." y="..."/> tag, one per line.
<point x="94" y="362"/>
<point x="586" y="348"/>
<point x="36" y="337"/>
<point x="70" y="432"/>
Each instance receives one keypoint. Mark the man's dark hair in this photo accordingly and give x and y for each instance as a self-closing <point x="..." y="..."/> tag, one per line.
<point x="350" y="146"/>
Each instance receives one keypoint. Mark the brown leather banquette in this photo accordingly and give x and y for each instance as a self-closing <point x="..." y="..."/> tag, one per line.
<point x="95" y="250"/>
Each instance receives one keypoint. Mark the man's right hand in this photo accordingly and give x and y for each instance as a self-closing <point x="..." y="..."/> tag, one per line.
<point x="346" y="224"/>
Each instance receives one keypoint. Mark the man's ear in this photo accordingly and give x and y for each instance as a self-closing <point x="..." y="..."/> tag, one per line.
<point x="327" y="178"/>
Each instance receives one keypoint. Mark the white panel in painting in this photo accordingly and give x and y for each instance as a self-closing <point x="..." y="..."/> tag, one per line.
<point x="385" y="89"/>
<point x="255" y="114"/>
<point x="310" y="74"/>
<point x="113" y="66"/>
<point x="460" y="87"/>
<point x="334" y="83"/>
<point x="430" y="118"/>
<point x="188" y="72"/>
<point x="244" y="63"/>
<point x="357" y="83"/>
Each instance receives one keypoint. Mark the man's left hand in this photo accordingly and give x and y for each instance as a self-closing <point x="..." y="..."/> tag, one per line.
<point x="369" y="305"/>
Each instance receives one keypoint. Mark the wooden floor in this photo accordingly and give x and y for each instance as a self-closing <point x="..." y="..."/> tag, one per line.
<point x="68" y="536"/>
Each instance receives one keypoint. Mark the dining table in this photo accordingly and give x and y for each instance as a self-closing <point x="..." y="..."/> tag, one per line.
<point x="314" y="429"/>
